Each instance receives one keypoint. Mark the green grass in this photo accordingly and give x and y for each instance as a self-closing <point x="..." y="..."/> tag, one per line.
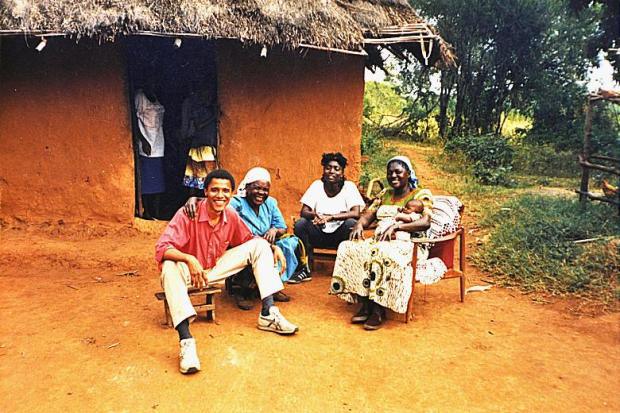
<point x="531" y="246"/>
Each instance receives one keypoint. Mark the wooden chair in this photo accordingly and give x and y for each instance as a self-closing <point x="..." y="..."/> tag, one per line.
<point x="444" y="249"/>
<point x="208" y="305"/>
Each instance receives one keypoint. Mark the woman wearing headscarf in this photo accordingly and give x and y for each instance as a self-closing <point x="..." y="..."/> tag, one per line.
<point x="262" y="215"/>
<point x="377" y="272"/>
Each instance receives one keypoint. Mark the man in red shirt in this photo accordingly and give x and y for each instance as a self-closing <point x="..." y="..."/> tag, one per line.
<point x="208" y="249"/>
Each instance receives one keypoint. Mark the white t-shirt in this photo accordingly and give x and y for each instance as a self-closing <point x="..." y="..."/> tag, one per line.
<point x="316" y="198"/>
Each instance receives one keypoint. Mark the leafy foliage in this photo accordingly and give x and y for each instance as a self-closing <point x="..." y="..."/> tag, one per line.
<point x="545" y="160"/>
<point x="375" y="154"/>
<point x="531" y="245"/>
<point x="491" y="157"/>
<point x="528" y="56"/>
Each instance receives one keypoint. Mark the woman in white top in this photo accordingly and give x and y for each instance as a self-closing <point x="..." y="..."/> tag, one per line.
<point x="330" y="208"/>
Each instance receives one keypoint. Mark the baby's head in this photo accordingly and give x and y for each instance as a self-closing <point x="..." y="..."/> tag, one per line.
<point x="413" y="205"/>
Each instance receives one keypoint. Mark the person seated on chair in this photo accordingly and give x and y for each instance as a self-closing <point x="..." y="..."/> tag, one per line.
<point x="261" y="214"/>
<point x="389" y="215"/>
<point x="330" y="209"/>
<point x="209" y="249"/>
<point x="377" y="272"/>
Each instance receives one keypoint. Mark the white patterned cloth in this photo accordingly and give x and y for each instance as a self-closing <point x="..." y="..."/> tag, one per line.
<point x="382" y="271"/>
<point x="446" y="217"/>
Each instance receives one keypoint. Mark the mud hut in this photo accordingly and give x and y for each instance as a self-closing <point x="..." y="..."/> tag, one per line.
<point x="289" y="78"/>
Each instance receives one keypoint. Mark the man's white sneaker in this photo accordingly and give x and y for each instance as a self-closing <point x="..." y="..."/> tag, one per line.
<point x="188" y="358"/>
<point x="276" y="322"/>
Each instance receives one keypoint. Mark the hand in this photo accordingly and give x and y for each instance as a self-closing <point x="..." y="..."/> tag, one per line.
<point x="322" y="219"/>
<point x="271" y="235"/>
<point x="389" y="233"/>
<point x="196" y="271"/>
<point x="278" y="258"/>
<point x="357" y="233"/>
<point x="191" y="207"/>
<point x="319" y="219"/>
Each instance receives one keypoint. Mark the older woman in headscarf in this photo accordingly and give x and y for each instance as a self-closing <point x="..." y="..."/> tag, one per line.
<point x="262" y="215"/>
<point x="377" y="272"/>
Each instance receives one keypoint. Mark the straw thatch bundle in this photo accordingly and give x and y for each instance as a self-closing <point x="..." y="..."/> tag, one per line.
<point x="328" y="23"/>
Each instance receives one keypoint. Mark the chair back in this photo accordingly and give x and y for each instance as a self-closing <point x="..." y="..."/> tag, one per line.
<point x="447" y="213"/>
<point x="444" y="250"/>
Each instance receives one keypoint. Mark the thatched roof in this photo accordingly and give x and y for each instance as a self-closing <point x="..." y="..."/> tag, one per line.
<point x="337" y="24"/>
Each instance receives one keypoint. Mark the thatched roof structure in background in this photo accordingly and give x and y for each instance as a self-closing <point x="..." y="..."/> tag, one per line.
<point x="332" y="24"/>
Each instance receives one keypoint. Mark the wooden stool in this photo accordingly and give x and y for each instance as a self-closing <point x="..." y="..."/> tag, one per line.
<point x="208" y="305"/>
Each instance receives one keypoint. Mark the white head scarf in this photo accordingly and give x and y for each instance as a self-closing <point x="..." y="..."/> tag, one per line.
<point x="253" y="175"/>
<point x="412" y="178"/>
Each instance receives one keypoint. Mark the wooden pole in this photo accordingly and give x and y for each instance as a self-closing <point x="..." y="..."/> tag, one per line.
<point x="585" y="172"/>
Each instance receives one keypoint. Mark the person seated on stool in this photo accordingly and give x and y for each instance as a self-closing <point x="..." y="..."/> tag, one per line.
<point x="209" y="249"/>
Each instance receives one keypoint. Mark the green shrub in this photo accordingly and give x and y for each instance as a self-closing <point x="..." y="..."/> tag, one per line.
<point x="375" y="154"/>
<point x="491" y="157"/>
<point x="531" y="245"/>
<point x="545" y="160"/>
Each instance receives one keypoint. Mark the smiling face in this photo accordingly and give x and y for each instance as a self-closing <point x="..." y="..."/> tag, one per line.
<point x="257" y="192"/>
<point x="397" y="175"/>
<point x="332" y="172"/>
<point x="218" y="194"/>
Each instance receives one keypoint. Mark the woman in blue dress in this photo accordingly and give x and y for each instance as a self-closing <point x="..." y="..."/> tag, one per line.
<point x="262" y="215"/>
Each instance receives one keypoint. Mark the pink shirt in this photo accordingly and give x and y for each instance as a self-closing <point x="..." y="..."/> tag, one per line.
<point x="199" y="238"/>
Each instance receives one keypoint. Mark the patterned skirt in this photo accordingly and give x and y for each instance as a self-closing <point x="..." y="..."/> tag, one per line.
<point x="200" y="161"/>
<point x="381" y="271"/>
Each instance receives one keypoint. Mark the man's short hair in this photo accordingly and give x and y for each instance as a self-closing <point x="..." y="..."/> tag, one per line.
<point x="220" y="174"/>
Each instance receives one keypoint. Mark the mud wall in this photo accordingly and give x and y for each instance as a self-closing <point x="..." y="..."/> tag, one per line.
<point x="65" y="137"/>
<point x="283" y="111"/>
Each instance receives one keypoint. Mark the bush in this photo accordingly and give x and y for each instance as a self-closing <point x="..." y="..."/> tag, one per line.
<point x="545" y="160"/>
<point x="491" y="157"/>
<point x="531" y="245"/>
<point x="375" y="154"/>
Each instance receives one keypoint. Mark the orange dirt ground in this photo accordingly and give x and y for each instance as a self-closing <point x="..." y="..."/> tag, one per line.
<point x="77" y="335"/>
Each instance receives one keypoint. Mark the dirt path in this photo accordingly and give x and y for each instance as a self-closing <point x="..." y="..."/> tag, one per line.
<point x="77" y="336"/>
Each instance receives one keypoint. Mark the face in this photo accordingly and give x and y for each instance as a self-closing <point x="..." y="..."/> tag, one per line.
<point x="257" y="192"/>
<point x="409" y="207"/>
<point x="397" y="175"/>
<point x="333" y="172"/>
<point x="413" y="206"/>
<point x="218" y="194"/>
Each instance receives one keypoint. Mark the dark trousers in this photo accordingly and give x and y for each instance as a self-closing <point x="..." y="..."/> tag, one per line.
<point x="312" y="236"/>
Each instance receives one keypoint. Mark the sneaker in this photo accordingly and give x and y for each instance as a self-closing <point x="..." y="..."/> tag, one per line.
<point x="302" y="275"/>
<point x="188" y="358"/>
<point x="276" y="322"/>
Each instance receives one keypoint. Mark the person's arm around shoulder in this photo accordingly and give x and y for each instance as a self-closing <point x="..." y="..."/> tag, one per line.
<point x="191" y="207"/>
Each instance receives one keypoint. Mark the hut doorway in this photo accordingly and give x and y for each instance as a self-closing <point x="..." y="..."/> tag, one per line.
<point x="172" y="88"/>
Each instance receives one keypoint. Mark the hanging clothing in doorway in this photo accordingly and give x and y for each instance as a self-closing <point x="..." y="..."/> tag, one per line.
<point x="199" y="128"/>
<point x="150" y="116"/>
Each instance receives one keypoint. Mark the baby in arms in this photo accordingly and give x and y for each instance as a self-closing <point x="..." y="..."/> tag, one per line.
<point x="388" y="215"/>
